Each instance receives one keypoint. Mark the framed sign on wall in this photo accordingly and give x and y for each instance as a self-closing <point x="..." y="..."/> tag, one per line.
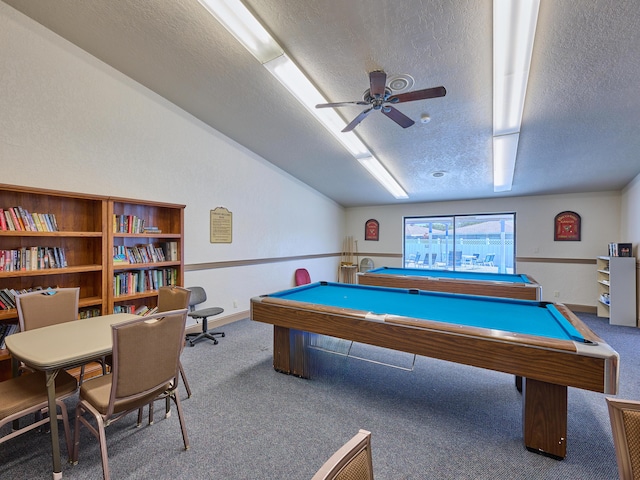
<point x="566" y="227"/>
<point x="372" y="230"/>
<point x="221" y="225"/>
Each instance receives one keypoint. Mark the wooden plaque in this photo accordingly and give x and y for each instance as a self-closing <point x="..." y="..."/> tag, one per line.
<point x="221" y="225"/>
<point x="371" y="230"/>
<point x="566" y="227"/>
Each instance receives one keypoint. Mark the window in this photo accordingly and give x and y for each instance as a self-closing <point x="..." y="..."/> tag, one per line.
<point x="484" y="243"/>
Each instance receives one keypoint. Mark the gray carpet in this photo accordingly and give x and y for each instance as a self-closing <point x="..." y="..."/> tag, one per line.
<point x="246" y="421"/>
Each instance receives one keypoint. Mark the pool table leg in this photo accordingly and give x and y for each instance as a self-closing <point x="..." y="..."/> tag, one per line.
<point x="544" y="422"/>
<point x="290" y="352"/>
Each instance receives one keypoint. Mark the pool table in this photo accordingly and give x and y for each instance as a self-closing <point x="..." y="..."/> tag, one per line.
<point x="472" y="283"/>
<point x="545" y="343"/>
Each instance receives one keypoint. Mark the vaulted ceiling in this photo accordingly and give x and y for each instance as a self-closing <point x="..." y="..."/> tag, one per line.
<point x="581" y="124"/>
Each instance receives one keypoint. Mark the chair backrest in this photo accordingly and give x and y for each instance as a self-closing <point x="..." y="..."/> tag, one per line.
<point x="302" y="277"/>
<point x="489" y="257"/>
<point x="198" y="296"/>
<point x="47" y="307"/>
<point x="146" y="354"/>
<point x="173" y="298"/>
<point x="625" y="426"/>
<point x="353" y="461"/>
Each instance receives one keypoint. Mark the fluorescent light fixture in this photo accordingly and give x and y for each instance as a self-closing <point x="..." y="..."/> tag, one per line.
<point x="241" y="23"/>
<point x="300" y="87"/>
<point x="514" y="28"/>
<point x="381" y="174"/>
<point x="238" y="20"/>
<point x="505" y="148"/>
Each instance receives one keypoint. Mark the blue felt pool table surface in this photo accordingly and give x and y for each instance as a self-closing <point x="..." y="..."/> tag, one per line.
<point x="527" y="317"/>
<point x="454" y="275"/>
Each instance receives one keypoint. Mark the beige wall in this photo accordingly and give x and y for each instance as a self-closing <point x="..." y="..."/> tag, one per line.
<point x="69" y="122"/>
<point x="575" y="282"/>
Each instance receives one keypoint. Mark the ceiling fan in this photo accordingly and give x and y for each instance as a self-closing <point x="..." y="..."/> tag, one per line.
<point x="379" y="97"/>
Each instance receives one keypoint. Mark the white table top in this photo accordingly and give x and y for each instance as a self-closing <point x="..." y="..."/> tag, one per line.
<point x="67" y="344"/>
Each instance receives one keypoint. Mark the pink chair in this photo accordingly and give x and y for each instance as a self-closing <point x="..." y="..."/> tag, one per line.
<point x="302" y="277"/>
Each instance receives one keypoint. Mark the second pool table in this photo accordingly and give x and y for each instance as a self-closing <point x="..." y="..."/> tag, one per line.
<point x="545" y="343"/>
<point x="471" y="283"/>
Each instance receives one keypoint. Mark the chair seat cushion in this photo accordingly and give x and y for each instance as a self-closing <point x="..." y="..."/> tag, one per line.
<point x="206" y="312"/>
<point x="96" y="391"/>
<point x="29" y="390"/>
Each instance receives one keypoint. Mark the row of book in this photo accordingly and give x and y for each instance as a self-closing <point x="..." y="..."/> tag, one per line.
<point x="148" y="253"/>
<point x="142" y="311"/>
<point x="132" y="224"/>
<point x="620" y="249"/>
<point x="138" y="281"/>
<point x="7" y="329"/>
<point x="8" y="296"/>
<point x="32" y="258"/>
<point x="18" y="218"/>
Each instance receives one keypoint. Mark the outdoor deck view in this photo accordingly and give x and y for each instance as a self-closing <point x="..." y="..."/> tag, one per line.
<point x="483" y="243"/>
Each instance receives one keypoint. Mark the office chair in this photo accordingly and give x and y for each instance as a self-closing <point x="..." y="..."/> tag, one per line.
<point x="142" y="372"/>
<point x="625" y="426"/>
<point x="42" y="308"/>
<point x="27" y="394"/>
<point x="353" y="461"/>
<point x="302" y="277"/>
<point x="198" y="296"/>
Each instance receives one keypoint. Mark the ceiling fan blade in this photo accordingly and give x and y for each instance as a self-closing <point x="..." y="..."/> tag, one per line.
<point x="357" y="120"/>
<point x="418" y="95"/>
<point x="397" y="116"/>
<point x="377" y="83"/>
<point x="340" y="104"/>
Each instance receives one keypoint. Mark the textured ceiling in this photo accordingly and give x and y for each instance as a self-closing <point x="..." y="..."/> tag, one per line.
<point x="581" y="125"/>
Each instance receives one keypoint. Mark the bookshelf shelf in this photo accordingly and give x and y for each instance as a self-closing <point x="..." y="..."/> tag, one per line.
<point x="84" y="232"/>
<point x="616" y="281"/>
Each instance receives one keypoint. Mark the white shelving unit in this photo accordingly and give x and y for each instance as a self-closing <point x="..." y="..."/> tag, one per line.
<point x="616" y="278"/>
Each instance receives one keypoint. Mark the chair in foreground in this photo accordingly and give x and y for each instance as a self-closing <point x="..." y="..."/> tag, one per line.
<point x="198" y="296"/>
<point x="625" y="426"/>
<point x="353" y="461"/>
<point x="142" y="372"/>
<point x="173" y="298"/>
<point x="27" y="394"/>
<point x="49" y="307"/>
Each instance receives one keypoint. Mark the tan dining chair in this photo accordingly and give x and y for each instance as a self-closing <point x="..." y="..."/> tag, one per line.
<point x="174" y="298"/>
<point x="27" y="394"/>
<point x="353" y="461"/>
<point x="42" y="308"/>
<point x="142" y="372"/>
<point x="625" y="426"/>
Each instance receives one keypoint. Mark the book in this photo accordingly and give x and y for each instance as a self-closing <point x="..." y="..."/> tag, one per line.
<point x="3" y="221"/>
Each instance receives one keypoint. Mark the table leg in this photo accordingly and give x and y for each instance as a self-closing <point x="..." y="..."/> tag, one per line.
<point x="545" y="418"/>
<point x="53" y="417"/>
<point x="281" y="349"/>
<point x="290" y="352"/>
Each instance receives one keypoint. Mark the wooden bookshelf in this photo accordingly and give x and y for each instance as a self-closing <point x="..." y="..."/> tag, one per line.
<point x="86" y="236"/>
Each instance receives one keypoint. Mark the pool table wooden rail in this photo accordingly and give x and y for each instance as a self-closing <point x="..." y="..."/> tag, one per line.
<point x="546" y="360"/>
<point x="485" y="288"/>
